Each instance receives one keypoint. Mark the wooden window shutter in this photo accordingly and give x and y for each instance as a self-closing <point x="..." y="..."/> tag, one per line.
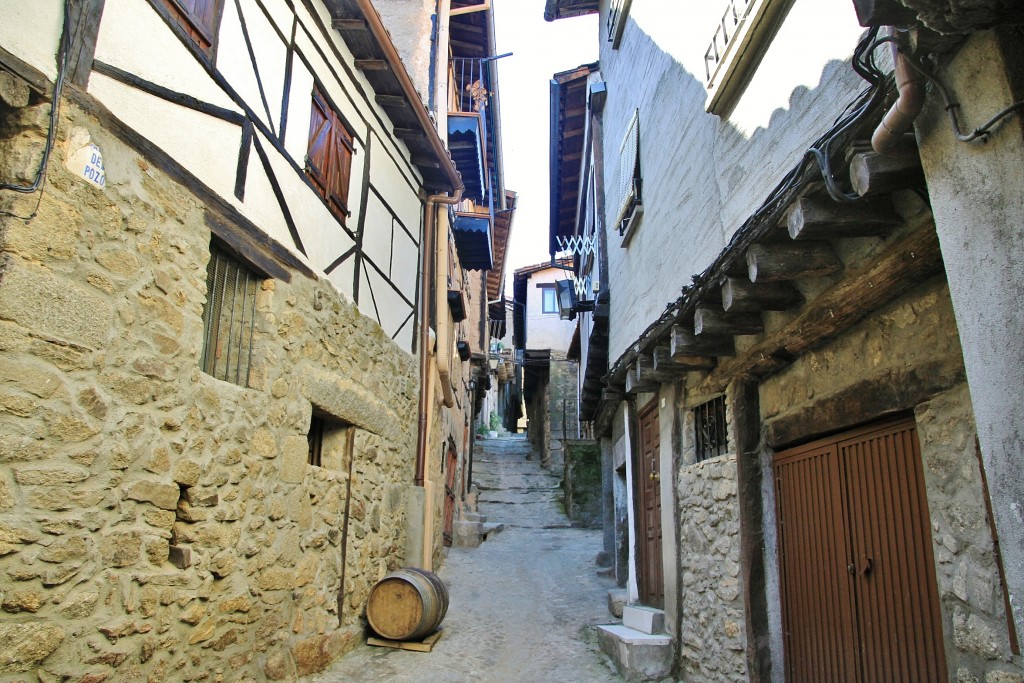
<point x="198" y="18"/>
<point x="329" y="155"/>
<point x="629" y="168"/>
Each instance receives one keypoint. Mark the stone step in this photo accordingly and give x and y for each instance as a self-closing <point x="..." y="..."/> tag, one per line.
<point x="617" y="598"/>
<point x="644" y="619"/>
<point x="638" y="656"/>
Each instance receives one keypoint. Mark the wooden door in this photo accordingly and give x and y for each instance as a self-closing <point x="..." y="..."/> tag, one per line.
<point x="859" y="595"/>
<point x="449" y="495"/>
<point x="651" y="578"/>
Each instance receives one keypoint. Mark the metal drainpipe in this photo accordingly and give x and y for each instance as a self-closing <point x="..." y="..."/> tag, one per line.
<point x="900" y="117"/>
<point x="429" y="259"/>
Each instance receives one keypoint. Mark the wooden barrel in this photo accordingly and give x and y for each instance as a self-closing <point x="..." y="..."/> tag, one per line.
<point x="407" y="604"/>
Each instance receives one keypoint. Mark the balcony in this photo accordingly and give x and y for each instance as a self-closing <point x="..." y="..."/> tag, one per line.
<point x="467" y="144"/>
<point x="472" y="232"/>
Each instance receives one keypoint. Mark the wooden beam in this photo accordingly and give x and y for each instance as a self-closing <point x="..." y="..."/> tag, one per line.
<point x="873" y="174"/>
<point x="822" y="218"/>
<point x="774" y="262"/>
<point x="409" y="134"/>
<point x="457" y="11"/>
<point x="685" y="344"/>
<point x="905" y="265"/>
<point x="84" y="23"/>
<point x="396" y="101"/>
<point x="425" y="162"/>
<point x="718" y="323"/>
<point x="634" y="385"/>
<point x="349" y="24"/>
<point x="743" y="295"/>
<point x="646" y="371"/>
<point x="372" y="65"/>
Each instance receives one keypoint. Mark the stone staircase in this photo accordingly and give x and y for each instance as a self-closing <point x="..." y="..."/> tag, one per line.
<point x="638" y="646"/>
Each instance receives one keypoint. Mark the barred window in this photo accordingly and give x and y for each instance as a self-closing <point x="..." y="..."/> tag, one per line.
<point x="330" y="441"/>
<point x="630" y="182"/>
<point x="228" y="317"/>
<point x="711" y="438"/>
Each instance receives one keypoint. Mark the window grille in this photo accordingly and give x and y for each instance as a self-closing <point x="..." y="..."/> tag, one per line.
<point x="228" y="317"/>
<point x="711" y="431"/>
<point x="315" y="439"/>
<point x="629" y="174"/>
<point x="616" y="24"/>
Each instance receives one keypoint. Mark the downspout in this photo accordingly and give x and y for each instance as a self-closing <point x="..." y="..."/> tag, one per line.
<point x="444" y="325"/>
<point x="900" y="117"/>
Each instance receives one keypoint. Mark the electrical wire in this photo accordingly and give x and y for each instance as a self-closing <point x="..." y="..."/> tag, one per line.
<point x="39" y="182"/>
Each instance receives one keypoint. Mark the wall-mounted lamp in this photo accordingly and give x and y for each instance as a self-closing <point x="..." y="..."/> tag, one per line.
<point x="568" y="304"/>
<point x="472" y="384"/>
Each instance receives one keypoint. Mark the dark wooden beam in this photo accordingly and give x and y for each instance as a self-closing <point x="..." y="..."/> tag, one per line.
<point x="742" y="295"/>
<point x="719" y="323"/>
<point x="685" y="344"/>
<point x="646" y="372"/>
<point x="409" y="134"/>
<point x="425" y="162"/>
<point x="349" y="24"/>
<point x="874" y="174"/>
<point x="372" y="65"/>
<point x="634" y="385"/>
<point x="84" y="23"/>
<point x="774" y="262"/>
<point x="396" y="101"/>
<point x="906" y="264"/>
<point x="822" y="218"/>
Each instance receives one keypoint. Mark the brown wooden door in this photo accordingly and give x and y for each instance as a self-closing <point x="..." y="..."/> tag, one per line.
<point x="859" y="595"/>
<point x="651" y="584"/>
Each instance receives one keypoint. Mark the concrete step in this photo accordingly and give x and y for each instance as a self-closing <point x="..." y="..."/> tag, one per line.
<point x="638" y="656"/>
<point x="644" y="619"/>
<point x="617" y="598"/>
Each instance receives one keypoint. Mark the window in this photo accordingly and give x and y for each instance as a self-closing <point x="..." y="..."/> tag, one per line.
<point x="737" y="46"/>
<point x="548" y="299"/>
<point x="228" y="317"/>
<point x="330" y="441"/>
<point x="329" y="156"/>
<point x="630" y="200"/>
<point x="199" y="20"/>
<point x="616" y="24"/>
<point x="711" y="434"/>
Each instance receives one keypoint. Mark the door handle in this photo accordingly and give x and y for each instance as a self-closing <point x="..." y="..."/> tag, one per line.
<point x="865" y="565"/>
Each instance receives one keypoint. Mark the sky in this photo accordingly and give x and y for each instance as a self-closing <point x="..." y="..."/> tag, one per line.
<point x="540" y="49"/>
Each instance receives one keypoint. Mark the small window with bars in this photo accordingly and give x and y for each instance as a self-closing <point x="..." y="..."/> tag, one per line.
<point x="711" y="437"/>
<point x="229" y="317"/>
<point x="630" y="181"/>
<point x="330" y="441"/>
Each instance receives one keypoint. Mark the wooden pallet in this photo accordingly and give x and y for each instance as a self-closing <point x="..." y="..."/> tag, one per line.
<point x="425" y="645"/>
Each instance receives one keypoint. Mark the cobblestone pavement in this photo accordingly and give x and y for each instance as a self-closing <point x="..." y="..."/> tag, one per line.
<point x="521" y="604"/>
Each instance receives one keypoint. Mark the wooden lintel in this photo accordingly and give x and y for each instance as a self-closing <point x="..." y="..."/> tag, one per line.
<point x="822" y="218"/>
<point x="409" y="133"/>
<point x="743" y="295"/>
<point x="873" y="174"/>
<point x="685" y="344"/>
<point x="904" y="265"/>
<point x="394" y="101"/>
<point x="372" y="65"/>
<point x="634" y="385"/>
<point x="348" y="24"/>
<point x="774" y="262"/>
<point x="718" y="323"/>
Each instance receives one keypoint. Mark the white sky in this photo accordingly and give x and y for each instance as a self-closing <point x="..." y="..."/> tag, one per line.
<point x="540" y="49"/>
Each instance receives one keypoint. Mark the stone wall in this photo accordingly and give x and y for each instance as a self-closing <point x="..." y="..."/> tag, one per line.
<point x="581" y="483"/>
<point x="156" y="523"/>
<point x="712" y="633"/>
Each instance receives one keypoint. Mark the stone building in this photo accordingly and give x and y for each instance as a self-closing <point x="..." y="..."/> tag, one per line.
<point x="235" y="388"/>
<point x="542" y="339"/>
<point x="794" y="381"/>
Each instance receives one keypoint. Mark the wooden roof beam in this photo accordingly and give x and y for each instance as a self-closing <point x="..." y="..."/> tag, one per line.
<point x="718" y="323"/>
<point x="685" y="344"/>
<point x="774" y="262"/>
<point x="740" y="294"/>
<point x="822" y="218"/>
<point x="634" y="385"/>
<point x="372" y="65"/>
<point x="873" y="174"/>
<point x="664" y="361"/>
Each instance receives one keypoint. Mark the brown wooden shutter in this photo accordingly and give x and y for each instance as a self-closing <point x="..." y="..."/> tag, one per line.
<point x="329" y="156"/>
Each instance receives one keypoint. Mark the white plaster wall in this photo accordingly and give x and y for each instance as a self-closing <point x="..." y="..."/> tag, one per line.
<point x="546" y="330"/>
<point x="408" y="22"/>
<point x="978" y="205"/>
<point x="234" y="63"/>
<point x="31" y="30"/>
<point x="704" y="175"/>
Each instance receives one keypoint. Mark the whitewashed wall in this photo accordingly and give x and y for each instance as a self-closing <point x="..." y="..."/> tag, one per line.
<point x="692" y="162"/>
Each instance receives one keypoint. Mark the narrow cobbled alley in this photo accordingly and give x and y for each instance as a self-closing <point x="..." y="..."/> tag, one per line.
<point x="522" y="604"/>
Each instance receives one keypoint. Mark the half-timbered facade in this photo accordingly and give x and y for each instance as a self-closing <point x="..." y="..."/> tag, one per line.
<point x="237" y="384"/>
<point x="788" y="411"/>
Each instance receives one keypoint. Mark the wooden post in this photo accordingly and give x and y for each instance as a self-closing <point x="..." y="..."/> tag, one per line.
<point x="746" y="415"/>
<point x="774" y="262"/>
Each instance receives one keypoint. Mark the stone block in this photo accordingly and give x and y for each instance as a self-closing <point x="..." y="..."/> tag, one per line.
<point x="121" y="548"/>
<point x="467" y="534"/>
<point x="637" y="656"/>
<point x="644" y="619"/>
<point x="14" y="92"/>
<point x="180" y="556"/>
<point x="24" y="646"/>
<point x="294" y="463"/>
<point x="71" y="313"/>
<point x="49" y="475"/>
<point x="162" y="495"/>
<point x="617" y="599"/>
<point x="187" y="472"/>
